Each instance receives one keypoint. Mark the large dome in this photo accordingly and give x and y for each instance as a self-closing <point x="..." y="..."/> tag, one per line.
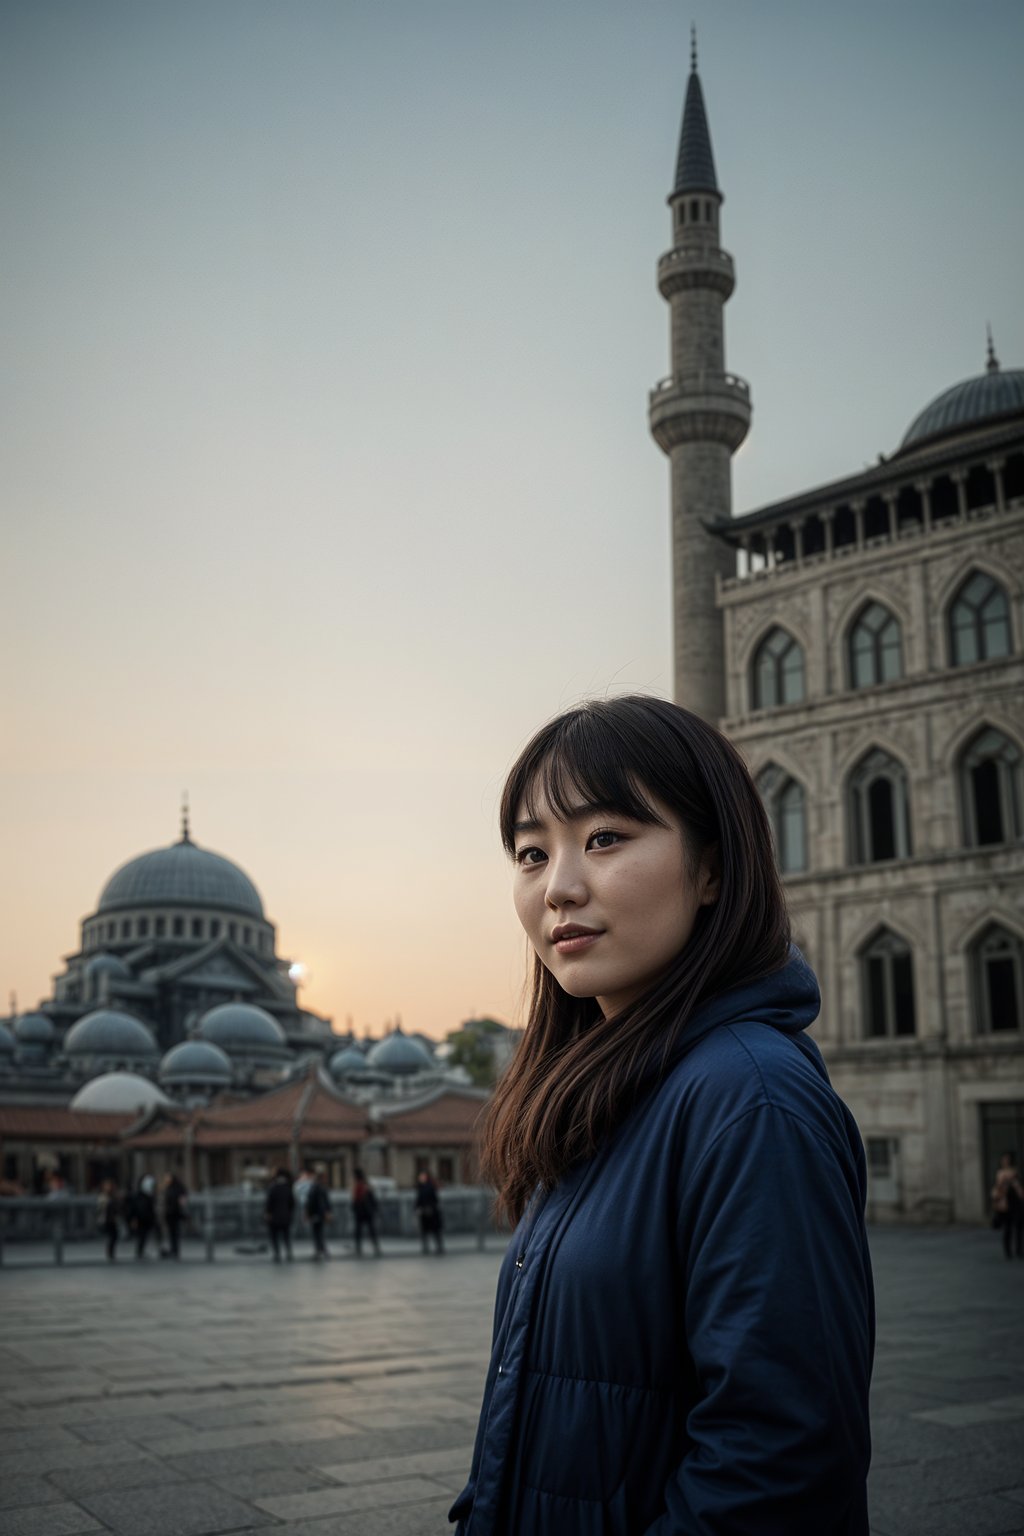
<point x="118" y="1093"/>
<point x="106" y="1032"/>
<point x="971" y="403"/>
<point x="181" y="875"/>
<point x="34" y="1029"/>
<point x="242" y="1028"/>
<point x="196" y="1062"/>
<point x="398" y="1054"/>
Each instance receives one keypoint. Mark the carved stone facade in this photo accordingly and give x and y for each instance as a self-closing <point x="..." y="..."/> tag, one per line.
<point x="867" y="657"/>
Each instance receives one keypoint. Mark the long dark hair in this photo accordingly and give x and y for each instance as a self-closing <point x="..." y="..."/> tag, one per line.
<point x="576" y="1075"/>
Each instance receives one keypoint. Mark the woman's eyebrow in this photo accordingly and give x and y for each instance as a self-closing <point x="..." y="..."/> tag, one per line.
<point x="573" y="813"/>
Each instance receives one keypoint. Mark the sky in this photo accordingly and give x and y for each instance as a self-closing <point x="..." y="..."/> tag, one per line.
<point x="325" y="476"/>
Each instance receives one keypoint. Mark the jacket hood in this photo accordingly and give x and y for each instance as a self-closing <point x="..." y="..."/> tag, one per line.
<point x="788" y="1000"/>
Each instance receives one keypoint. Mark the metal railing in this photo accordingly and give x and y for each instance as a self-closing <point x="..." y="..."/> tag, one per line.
<point x="236" y="1217"/>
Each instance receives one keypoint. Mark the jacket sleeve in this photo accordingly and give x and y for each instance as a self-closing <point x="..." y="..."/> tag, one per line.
<point x="779" y="1327"/>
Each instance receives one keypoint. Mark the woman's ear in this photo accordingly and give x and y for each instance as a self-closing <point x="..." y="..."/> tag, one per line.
<point x="710" y="876"/>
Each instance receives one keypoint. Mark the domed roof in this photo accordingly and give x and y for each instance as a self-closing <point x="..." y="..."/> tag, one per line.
<point x="987" y="397"/>
<point x="118" y="1093"/>
<point x="6" y="1041"/>
<point x="242" y="1027"/>
<point x="398" y="1054"/>
<point x="184" y="874"/>
<point x="107" y="965"/>
<point x="34" y="1029"/>
<point x="348" y="1062"/>
<point x="105" y="1032"/>
<point x="196" y="1061"/>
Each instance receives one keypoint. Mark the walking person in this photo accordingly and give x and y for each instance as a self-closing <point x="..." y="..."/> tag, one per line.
<point x="141" y="1213"/>
<point x="428" y="1208"/>
<point x="684" y="1324"/>
<point x="364" y="1209"/>
<point x="108" y="1209"/>
<point x="175" y="1211"/>
<point x="318" y="1209"/>
<point x="278" y="1212"/>
<point x="1008" y="1205"/>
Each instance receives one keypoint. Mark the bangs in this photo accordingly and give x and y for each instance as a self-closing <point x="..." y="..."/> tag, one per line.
<point x="575" y="763"/>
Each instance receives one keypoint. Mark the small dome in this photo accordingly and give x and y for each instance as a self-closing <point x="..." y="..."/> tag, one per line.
<point x="196" y="1061"/>
<point x="6" y="1041"/>
<point x="400" y="1055"/>
<point x="34" y="1029"/>
<point x="106" y="1032"/>
<point x="348" y="1062"/>
<point x="118" y="1093"/>
<point x="240" y="1028"/>
<point x="971" y="403"/>
<point x="183" y="875"/>
<point x="107" y="965"/>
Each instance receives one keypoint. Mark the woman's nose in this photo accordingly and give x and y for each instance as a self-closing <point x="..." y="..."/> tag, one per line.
<point x="566" y="885"/>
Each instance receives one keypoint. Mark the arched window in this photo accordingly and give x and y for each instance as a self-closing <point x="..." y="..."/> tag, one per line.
<point x="887" y="987"/>
<point x="784" y="801"/>
<point x="876" y="647"/>
<point x="998" y="958"/>
<point x="778" y="671"/>
<point x="990" y="790"/>
<point x="979" y="621"/>
<point x="879" y="809"/>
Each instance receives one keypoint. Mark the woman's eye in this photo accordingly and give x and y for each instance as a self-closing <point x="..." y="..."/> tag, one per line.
<point x="529" y="855"/>
<point x="604" y="839"/>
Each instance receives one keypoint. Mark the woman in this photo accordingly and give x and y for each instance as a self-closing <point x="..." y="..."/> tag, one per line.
<point x="1008" y="1205"/>
<point x="684" y="1323"/>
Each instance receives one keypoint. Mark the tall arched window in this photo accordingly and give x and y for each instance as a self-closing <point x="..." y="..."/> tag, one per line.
<point x="990" y="790"/>
<point x="979" y="621"/>
<point x="887" y="987"/>
<point x="778" y="671"/>
<point x="876" y="647"/>
<point x="784" y="801"/>
<point x="998" y="958"/>
<point x="879" y="809"/>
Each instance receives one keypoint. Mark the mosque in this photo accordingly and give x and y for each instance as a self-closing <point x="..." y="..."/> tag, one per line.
<point x="862" y="644"/>
<point x="174" y="1035"/>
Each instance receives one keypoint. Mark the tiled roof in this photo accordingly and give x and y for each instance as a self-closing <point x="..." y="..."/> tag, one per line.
<point x="304" y="1109"/>
<point x="49" y="1122"/>
<point x="451" y="1118"/>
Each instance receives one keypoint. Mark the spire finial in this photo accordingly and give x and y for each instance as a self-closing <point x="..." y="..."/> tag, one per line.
<point x="693" y="47"/>
<point x="991" y="362"/>
<point x="184" y="818"/>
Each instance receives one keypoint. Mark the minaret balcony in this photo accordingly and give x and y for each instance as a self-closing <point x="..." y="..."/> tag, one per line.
<point x="696" y="265"/>
<point x="700" y="407"/>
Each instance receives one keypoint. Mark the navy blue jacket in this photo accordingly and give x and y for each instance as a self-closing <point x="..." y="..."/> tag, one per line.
<point x="684" y="1326"/>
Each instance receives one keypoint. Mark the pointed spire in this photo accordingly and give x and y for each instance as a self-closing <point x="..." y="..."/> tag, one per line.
<point x="184" y="818"/>
<point x="695" y="166"/>
<point x="992" y="362"/>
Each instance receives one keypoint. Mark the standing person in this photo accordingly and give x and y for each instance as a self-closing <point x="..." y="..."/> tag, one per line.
<point x="278" y="1211"/>
<point x="685" y="1321"/>
<point x="364" y="1209"/>
<point x="141" y="1213"/>
<point x="303" y="1185"/>
<point x="108" y="1209"/>
<point x="1008" y="1205"/>
<point x="318" y="1209"/>
<point x="175" y="1211"/>
<point x="428" y="1207"/>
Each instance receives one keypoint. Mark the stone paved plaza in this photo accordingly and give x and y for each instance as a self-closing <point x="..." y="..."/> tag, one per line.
<point x="340" y="1400"/>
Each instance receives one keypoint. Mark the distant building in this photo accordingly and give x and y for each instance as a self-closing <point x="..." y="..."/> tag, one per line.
<point x="862" y="643"/>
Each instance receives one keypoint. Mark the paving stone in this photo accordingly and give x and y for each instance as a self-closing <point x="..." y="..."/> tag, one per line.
<point x="262" y="1484"/>
<point x="16" y="1491"/>
<point x="139" y="1428"/>
<point x="101" y="1476"/>
<point x="434" y="1464"/>
<point x="984" y="1516"/>
<point x="47" y="1520"/>
<point x="194" y="1509"/>
<point x="349" y="1500"/>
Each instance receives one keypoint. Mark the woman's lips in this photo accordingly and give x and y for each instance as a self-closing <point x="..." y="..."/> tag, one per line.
<point x="573" y="943"/>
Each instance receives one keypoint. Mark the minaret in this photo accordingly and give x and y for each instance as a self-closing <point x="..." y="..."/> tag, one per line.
<point x="700" y="414"/>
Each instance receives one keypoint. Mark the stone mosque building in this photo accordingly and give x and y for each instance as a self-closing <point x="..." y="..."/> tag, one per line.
<point x="174" y="1036"/>
<point x="862" y="643"/>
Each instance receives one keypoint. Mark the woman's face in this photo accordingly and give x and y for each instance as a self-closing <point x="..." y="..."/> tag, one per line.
<point x="606" y="901"/>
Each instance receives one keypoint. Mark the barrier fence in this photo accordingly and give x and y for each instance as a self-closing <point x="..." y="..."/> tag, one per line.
<point x="236" y="1217"/>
